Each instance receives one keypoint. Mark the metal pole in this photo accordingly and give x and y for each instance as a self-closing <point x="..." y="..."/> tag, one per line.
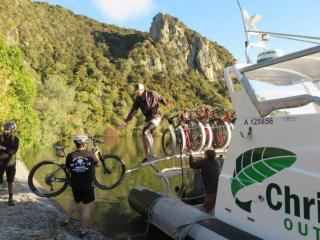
<point x="285" y="34"/>
<point x="247" y="43"/>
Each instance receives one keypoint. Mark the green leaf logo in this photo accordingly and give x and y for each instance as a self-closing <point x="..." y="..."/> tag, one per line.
<point x="256" y="165"/>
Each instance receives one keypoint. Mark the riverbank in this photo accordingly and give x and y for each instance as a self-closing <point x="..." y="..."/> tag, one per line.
<point x="34" y="217"/>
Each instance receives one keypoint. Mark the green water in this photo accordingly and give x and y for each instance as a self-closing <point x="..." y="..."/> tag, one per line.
<point x="111" y="214"/>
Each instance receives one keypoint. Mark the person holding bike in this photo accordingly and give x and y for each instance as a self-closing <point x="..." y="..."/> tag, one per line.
<point x="210" y="171"/>
<point x="148" y="102"/>
<point x="9" y="145"/>
<point x="80" y="166"/>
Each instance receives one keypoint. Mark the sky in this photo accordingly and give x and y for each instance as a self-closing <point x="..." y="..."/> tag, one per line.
<point x="218" y="20"/>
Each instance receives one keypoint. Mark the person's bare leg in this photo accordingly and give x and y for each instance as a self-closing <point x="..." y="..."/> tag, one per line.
<point x="11" y="188"/>
<point x="72" y="208"/>
<point x="145" y="146"/>
<point x="2" y="168"/>
<point x="147" y="140"/>
<point x="85" y="217"/>
<point x="209" y="202"/>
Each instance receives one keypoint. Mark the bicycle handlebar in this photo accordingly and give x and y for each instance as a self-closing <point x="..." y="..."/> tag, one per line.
<point x="96" y="140"/>
<point x="59" y="147"/>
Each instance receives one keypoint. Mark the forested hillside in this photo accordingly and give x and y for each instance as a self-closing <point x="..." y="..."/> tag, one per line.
<point x="76" y="74"/>
<point x="18" y="92"/>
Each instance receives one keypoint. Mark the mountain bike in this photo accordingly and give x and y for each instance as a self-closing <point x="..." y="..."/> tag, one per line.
<point x="173" y="138"/>
<point x="196" y="131"/>
<point x="221" y="130"/>
<point x="202" y="115"/>
<point x="188" y="134"/>
<point x="49" y="179"/>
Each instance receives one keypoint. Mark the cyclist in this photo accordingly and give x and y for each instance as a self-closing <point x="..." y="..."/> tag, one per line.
<point x="210" y="171"/>
<point x="80" y="166"/>
<point x="9" y="145"/>
<point x="148" y="102"/>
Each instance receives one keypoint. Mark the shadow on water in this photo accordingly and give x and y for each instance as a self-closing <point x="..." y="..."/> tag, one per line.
<point x="111" y="214"/>
<point x="116" y="221"/>
<point x="119" y="223"/>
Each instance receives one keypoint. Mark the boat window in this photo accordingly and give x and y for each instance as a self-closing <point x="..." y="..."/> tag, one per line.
<point x="298" y="76"/>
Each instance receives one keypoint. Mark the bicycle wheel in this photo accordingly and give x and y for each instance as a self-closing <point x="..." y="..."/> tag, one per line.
<point x="48" y="179"/>
<point x="197" y="135"/>
<point x="220" y="133"/>
<point x="166" y="142"/>
<point x="209" y="136"/>
<point x="111" y="173"/>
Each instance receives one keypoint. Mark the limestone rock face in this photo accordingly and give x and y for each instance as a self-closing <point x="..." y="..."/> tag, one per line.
<point x="185" y="48"/>
<point x="156" y="62"/>
<point x="205" y="60"/>
<point x="159" y="29"/>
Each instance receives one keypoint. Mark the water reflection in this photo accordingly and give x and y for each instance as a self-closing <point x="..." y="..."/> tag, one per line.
<point x="111" y="213"/>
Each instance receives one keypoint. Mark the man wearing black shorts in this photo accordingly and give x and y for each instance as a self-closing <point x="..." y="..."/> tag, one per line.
<point x="9" y="145"/>
<point x="80" y="165"/>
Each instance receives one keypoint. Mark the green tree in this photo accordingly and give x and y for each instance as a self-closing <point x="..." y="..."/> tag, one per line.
<point x="18" y="94"/>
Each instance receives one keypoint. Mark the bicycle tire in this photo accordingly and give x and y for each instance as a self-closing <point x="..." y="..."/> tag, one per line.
<point x="209" y="136"/>
<point x="229" y="135"/>
<point x="37" y="188"/>
<point x="180" y="140"/>
<point x="220" y="133"/>
<point x="197" y="135"/>
<point x="101" y="173"/>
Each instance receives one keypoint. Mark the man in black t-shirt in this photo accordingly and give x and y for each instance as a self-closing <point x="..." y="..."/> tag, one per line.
<point x="210" y="172"/>
<point x="9" y="145"/>
<point x="80" y="165"/>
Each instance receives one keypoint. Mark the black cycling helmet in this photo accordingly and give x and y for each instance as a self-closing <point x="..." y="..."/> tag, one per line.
<point x="10" y="126"/>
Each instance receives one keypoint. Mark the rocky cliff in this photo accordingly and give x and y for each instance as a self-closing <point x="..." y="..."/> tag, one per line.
<point x="189" y="50"/>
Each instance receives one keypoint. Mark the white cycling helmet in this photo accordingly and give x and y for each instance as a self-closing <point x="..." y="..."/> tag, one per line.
<point x="139" y="87"/>
<point x="81" y="138"/>
<point x="10" y="126"/>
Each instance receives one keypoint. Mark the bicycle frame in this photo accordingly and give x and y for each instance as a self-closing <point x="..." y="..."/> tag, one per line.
<point x="51" y="178"/>
<point x="96" y="150"/>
